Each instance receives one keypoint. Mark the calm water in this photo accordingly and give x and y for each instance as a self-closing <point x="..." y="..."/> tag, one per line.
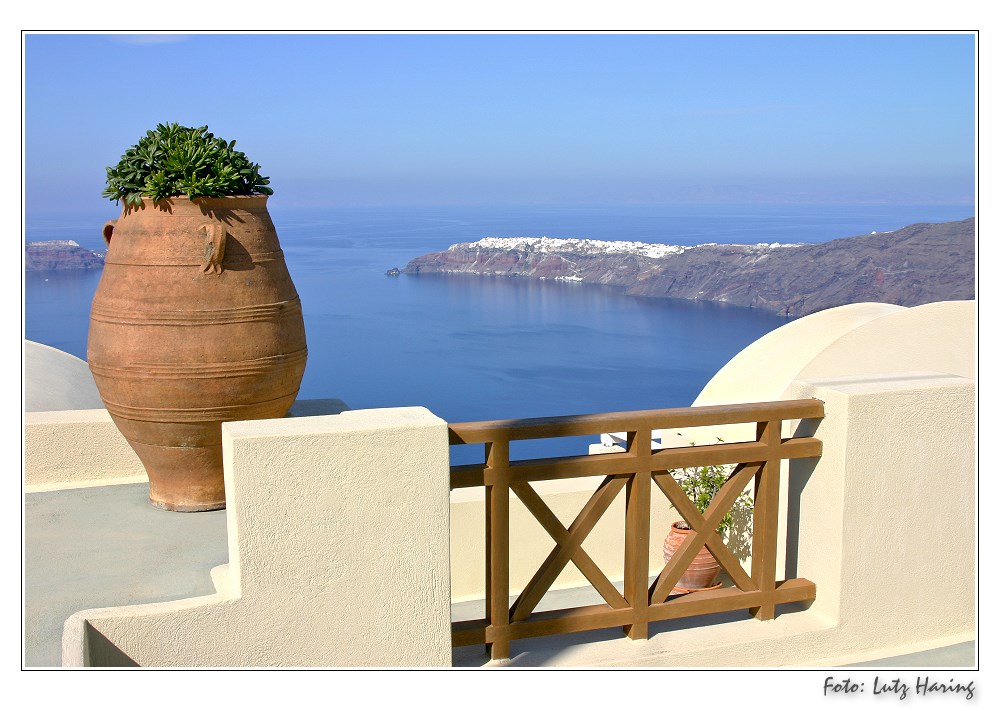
<point x="473" y="348"/>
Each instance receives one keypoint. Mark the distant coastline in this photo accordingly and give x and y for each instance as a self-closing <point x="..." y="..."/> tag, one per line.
<point x="914" y="265"/>
<point x="60" y="255"/>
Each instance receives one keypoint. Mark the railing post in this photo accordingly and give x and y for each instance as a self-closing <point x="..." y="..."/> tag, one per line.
<point x="637" y="533"/>
<point x="498" y="546"/>
<point x="765" y="519"/>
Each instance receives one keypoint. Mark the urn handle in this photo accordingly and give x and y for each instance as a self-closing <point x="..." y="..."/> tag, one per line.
<point x="215" y="248"/>
<point x="106" y="231"/>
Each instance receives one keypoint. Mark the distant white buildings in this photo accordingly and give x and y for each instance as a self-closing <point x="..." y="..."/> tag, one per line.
<point x="594" y="246"/>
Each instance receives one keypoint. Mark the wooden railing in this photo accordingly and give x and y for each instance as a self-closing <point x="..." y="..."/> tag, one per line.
<point x="635" y="470"/>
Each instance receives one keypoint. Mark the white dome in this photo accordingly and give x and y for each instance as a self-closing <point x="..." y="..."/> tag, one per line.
<point x="55" y="380"/>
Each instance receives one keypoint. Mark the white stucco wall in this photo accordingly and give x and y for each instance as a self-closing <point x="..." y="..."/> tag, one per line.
<point x="76" y="448"/>
<point x="338" y="553"/>
<point x="81" y="448"/>
<point x="899" y="452"/>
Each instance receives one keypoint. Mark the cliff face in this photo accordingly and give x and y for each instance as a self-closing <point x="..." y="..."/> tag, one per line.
<point x="915" y="265"/>
<point x="60" y="254"/>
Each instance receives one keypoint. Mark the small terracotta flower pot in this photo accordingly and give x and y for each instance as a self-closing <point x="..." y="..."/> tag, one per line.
<point x="703" y="570"/>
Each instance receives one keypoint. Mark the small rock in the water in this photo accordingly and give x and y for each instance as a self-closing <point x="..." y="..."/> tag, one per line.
<point x="392" y="272"/>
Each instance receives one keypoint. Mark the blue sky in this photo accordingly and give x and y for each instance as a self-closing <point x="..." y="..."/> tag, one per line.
<point x="519" y="119"/>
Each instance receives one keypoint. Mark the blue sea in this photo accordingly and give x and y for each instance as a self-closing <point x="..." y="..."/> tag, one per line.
<point x="471" y="348"/>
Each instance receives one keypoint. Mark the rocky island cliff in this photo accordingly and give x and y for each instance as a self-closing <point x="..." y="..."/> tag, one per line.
<point x="60" y="254"/>
<point x="914" y="265"/>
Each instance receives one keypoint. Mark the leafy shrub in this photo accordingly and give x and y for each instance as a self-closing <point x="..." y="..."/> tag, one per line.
<point x="175" y="160"/>
<point x="702" y="483"/>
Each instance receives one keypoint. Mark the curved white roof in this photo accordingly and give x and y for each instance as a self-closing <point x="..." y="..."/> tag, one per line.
<point x="55" y="380"/>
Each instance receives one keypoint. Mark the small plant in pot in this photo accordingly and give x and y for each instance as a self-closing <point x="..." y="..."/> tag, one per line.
<point x="176" y="161"/>
<point x="196" y="320"/>
<point x="701" y="484"/>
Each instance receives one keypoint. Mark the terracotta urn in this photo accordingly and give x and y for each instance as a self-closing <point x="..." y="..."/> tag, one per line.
<point x="195" y="322"/>
<point x="703" y="570"/>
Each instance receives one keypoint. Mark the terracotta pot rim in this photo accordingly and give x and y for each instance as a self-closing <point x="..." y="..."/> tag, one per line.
<point x="205" y="198"/>
<point x="181" y="204"/>
<point x="176" y="201"/>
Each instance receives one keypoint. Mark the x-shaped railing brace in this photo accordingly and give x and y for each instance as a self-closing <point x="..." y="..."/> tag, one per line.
<point x="704" y="532"/>
<point x="568" y="546"/>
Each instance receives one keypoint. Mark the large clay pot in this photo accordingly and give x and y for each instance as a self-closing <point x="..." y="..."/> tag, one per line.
<point x="703" y="570"/>
<point x="195" y="322"/>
